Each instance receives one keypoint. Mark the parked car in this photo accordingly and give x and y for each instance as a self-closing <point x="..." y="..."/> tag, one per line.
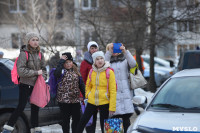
<point x="189" y="59"/>
<point x="158" y="61"/>
<point x="174" y="107"/>
<point x="9" y="94"/>
<point x="161" y="74"/>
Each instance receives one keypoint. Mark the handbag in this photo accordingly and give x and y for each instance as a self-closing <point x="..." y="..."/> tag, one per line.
<point x="113" y="125"/>
<point x="40" y="95"/>
<point x="136" y="78"/>
<point x="83" y="106"/>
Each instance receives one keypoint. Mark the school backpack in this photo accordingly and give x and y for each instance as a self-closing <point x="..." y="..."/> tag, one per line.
<point x="107" y="76"/>
<point x="14" y="75"/>
<point x="53" y="82"/>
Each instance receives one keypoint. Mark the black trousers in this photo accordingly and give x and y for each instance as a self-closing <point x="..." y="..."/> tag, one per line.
<point x="126" y="120"/>
<point x="92" y="128"/>
<point x="68" y="110"/>
<point x="24" y="94"/>
<point x="89" y="111"/>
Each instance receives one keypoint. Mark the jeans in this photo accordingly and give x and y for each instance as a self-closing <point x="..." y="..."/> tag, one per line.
<point x="24" y="94"/>
<point x="89" y="111"/>
<point x="68" y="110"/>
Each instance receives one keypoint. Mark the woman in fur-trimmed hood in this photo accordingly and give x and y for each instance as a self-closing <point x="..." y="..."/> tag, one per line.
<point x="121" y="63"/>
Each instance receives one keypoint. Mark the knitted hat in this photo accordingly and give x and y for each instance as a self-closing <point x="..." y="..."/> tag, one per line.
<point x="30" y="35"/>
<point x="96" y="54"/>
<point x="92" y="43"/>
<point x="69" y="56"/>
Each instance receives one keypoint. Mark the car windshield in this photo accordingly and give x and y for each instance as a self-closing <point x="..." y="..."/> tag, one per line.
<point x="182" y="93"/>
<point x="191" y="60"/>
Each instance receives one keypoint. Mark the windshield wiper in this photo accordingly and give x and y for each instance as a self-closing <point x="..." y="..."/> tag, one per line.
<point x="193" y="108"/>
<point x="167" y="106"/>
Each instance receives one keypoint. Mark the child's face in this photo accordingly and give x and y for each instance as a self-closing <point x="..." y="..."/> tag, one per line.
<point x="68" y="64"/>
<point x="93" y="50"/>
<point x="99" y="62"/>
<point x="34" y="42"/>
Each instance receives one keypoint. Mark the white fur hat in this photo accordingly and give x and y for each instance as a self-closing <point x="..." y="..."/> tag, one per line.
<point x="96" y="54"/>
<point x="92" y="43"/>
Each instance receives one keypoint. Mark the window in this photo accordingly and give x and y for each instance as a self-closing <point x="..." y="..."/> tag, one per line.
<point x="17" y="6"/>
<point x="16" y="40"/>
<point x="90" y="4"/>
<point x="92" y="36"/>
<point x="59" y="37"/>
<point x="181" y="26"/>
<point x="188" y="25"/>
<point x="59" y="14"/>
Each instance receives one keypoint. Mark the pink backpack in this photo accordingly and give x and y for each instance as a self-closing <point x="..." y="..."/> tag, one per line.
<point x="107" y="76"/>
<point x="14" y="74"/>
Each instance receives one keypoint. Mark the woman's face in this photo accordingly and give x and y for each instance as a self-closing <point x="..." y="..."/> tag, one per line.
<point x="99" y="62"/>
<point x="68" y="64"/>
<point x="34" y="42"/>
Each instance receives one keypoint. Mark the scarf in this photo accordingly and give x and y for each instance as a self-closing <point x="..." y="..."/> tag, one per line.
<point x="88" y="57"/>
<point x="120" y="57"/>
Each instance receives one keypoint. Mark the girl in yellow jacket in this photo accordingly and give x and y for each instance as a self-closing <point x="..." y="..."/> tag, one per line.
<point x="97" y="94"/>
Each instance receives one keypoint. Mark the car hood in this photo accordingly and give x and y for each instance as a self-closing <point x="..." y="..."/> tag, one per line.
<point x="168" y="121"/>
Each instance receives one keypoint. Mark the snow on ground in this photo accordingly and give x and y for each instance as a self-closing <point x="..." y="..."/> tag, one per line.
<point x="10" y="53"/>
<point x="141" y="92"/>
<point x="14" y="53"/>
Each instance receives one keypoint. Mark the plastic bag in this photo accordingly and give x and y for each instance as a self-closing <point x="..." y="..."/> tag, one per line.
<point x="40" y="95"/>
<point x="83" y="106"/>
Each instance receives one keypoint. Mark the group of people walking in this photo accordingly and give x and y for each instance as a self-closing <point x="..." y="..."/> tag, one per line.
<point x="110" y="97"/>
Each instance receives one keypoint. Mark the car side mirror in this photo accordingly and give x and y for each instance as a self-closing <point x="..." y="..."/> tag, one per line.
<point x="141" y="101"/>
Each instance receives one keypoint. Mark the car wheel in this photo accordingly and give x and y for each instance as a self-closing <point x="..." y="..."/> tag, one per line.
<point x="20" y="126"/>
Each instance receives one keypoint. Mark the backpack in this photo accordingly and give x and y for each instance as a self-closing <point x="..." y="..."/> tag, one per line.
<point x="14" y="75"/>
<point x="53" y="82"/>
<point x="107" y="76"/>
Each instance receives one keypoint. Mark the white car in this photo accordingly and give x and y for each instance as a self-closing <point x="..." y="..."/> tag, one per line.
<point x="161" y="74"/>
<point x="175" y="107"/>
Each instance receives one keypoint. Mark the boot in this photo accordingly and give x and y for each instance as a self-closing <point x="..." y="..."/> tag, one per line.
<point x="7" y="129"/>
<point x="32" y="130"/>
<point x="38" y="130"/>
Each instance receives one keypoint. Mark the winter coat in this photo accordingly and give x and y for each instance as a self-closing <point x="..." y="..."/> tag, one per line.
<point x="69" y="87"/>
<point x="96" y="88"/>
<point x="121" y="65"/>
<point x="28" y="69"/>
<point x="86" y="65"/>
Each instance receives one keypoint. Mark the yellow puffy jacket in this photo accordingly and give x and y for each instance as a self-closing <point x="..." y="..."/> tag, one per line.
<point x="96" y="88"/>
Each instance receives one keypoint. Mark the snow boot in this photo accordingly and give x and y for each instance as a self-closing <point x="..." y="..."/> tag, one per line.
<point x="7" y="129"/>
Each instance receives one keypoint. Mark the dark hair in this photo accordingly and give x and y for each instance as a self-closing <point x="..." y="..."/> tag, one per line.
<point x="69" y="56"/>
<point x="93" y="45"/>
